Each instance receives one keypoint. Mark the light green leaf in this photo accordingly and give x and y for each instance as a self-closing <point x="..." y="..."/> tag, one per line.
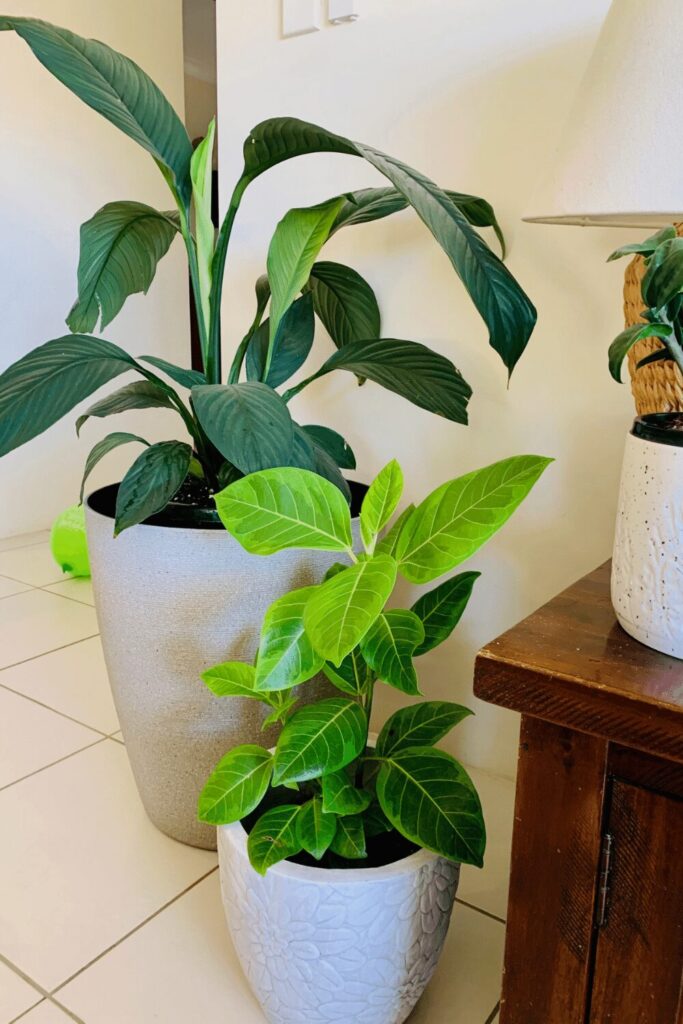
<point x="379" y="504"/>
<point x="291" y="347"/>
<point x="120" y="249"/>
<point x="458" y="517"/>
<point x="102" y="448"/>
<point x="352" y="675"/>
<point x="441" y="609"/>
<point x="387" y="544"/>
<point x="286" y="656"/>
<point x="314" y="828"/>
<point x="274" y="837"/>
<point x="186" y="378"/>
<point x="298" y="239"/>
<point x="285" y="508"/>
<point x="141" y="394"/>
<point x="645" y="247"/>
<point x="432" y="801"/>
<point x="42" y="386"/>
<point x="248" y="423"/>
<point x="420" y="725"/>
<point x="116" y="88"/>
<point x="389" y="647"/>
<point x="318" y="739"/>
<point x="344" y="608"/>
<point x="349" y="839"/>
<point x="280" y="713"/>
<point x="201" y="173"/>
<point x="151" y="482"/>
<point x="233" y="679"/>
<point x="236" y="786"/>
<point x="344" y="302"/>
<point x="334" y="444"/>
<point x="340" y="796"/>
<point x="625" y="341"/>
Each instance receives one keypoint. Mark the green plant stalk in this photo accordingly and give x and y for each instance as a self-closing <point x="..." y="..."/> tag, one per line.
<point x="214" y="361"/>
<point x="676" y="350"/>
<point x="236" y="367"/>
<point x="293" y="392"/>
<point x="196" y="291"/>
<point x="367" y="707"/>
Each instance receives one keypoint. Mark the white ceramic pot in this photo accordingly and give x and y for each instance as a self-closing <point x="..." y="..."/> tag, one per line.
<point x="647" y="567"/>
<point x="171" y="602"/>
<point x="319" y="946"/>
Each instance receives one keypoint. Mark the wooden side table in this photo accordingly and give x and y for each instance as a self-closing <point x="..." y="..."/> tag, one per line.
<point x="595" y="915"/>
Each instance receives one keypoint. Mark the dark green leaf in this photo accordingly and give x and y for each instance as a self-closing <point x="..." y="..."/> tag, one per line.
<point x="389" y="646"/>
<point x="42" y="386"/>
<point x="141" y="394"/>
<point x="625" y="341"/>
<point x="375" y="821"/>
<point x="352" y="675"/>
<point x="102" y="448"/>
<point x="663" y="279"/>
<point x="345" y="303"/>
<point x="116" y="88"/>
<point x="441" y="609"/>
<point x="334" y="444"/>
<point x="274" y="837"/>
<point x="314" y="828"/>
<point x="248" y="423"/>
<point x="309" y="455"/>
<point x="432" y="801"/>
<point x="291" y="347"/>
<point x="120" y="249"/>
<point x="340" y="796"/>
<point x="646" y="247"/>
<point x="186" y="378"/>
<point x="420" y="725"/>
<point x="236" y="786"/>
<point x="318" y="739"/>
<point x="349" y="839"/>
<point x="151" y="482"/>
<point x="286" y="656"/>
<point x="654" y="357"/>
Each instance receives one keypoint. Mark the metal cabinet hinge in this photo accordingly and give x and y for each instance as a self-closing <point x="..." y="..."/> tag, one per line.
<point x="606" y="857"/>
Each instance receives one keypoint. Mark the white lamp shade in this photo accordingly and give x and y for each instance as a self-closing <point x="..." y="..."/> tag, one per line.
<point x="620" y="161"/>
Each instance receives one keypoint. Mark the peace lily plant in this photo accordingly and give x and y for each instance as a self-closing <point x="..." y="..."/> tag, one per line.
<point x="238" y="422"/>
<point x="325" y="790"/>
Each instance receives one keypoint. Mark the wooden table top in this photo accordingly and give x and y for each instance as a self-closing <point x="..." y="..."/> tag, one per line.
<point x="571" y="663"/>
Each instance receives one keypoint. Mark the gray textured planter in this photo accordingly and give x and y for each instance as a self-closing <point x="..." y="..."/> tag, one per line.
<point x="170" y="603"/>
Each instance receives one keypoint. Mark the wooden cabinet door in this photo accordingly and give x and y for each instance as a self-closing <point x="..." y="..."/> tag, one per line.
<point x="639" y="951"/>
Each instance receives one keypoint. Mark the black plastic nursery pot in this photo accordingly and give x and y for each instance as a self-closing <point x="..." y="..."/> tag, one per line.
<point x="660" y="427"/>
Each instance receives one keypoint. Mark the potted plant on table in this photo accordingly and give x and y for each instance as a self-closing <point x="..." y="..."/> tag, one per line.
<point x="648" y="549"/>
<point x="173" y="591"/>
<point x="340" y="853"/>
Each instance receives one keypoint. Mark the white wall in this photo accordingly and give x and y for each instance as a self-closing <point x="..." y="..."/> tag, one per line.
<point x="474" y="94"/>
<point x="59" y="162"/>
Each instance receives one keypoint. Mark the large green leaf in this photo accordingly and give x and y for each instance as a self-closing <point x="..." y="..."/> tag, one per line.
<point x="318" y="739"/>
<point x="291" y="346"/>
<point x="151" y="482"/>
<point x="344" y="608"/>
<point x="248" y="423"/>
<point x="441" y="609"/>
<point x="389" y="646"/>
<point x="345" y="303"/>
<point x="314" y="828"/>
<point x="334" y="444"/>
<point x="349" y="838"/>
<point x="274" y="837"/>
<point x="186" y="378"/>
<point x="116" y="88"/>
<point x="285" y="508"/>
<point x="42" y="386"/>
<point x="507" y="311"/>
<point x="340" y="796"/>
<point x="120" y="249"/>
<point x="379" y="504"/>
<point x="409" y="369"/>
<point x="286" y="656"/>
<point x="102" y="448"/>
<point x="432" y="801"/>
<point x="232" y="679"/>
<point x="298" y="239"/>
<point x="420" y="725"/>
<point x="141" y="394"/>
<point x="308" y="454"/>
<point x="625" y="341"/>
<point x="236" y="786"/>
<point x="646" y="247"/>
<point x="387" y="544"/>
<point x="461" y="515"/>
<point x="663" y="279"/>
<point x="201" y="173"/>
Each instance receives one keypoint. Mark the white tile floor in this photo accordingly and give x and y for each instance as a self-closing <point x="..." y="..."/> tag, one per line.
<point x="103" y="920"/>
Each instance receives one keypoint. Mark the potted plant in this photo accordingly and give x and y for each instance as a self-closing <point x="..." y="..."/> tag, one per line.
<point x="648" y="547"/>
<point x="339" y="853"/>
<point x="173" y="592"/>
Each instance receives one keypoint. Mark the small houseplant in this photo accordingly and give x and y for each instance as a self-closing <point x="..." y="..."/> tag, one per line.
<point x="171" y="590"/>
<point x="346" y="866"/>
<point x="648" y="548"/>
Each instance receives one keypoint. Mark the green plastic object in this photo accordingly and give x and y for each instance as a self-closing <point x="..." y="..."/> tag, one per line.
<point x="68" y="542"/>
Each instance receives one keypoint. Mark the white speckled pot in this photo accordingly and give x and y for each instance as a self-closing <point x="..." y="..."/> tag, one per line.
<point x="647" y="568"/>
<point x="354" y="946"/>
<point x="171" y="602"/>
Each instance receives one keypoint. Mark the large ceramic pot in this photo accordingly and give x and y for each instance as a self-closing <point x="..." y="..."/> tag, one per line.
<point x="175" y="596"/>
<point x="319" y="946"/>
<point x="647" y="568"/>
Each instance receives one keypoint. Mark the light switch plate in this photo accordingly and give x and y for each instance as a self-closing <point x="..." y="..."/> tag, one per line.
<point x="300" y="17"/>
<point x="340" y="11"/>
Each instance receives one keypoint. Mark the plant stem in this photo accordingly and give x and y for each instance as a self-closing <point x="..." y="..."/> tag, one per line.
<point x="194" y="279"/>
<point x="236" y="368"/>
<point x="213" y="370"/>
<point x="676" y="351"/>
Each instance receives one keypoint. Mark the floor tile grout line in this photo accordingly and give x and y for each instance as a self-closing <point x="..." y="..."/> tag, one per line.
<point x="59" y="760"/>
<point x="25" y="977"/>
<point x="67" y="597"/>
<point x="28" y="588"/>
<point x="35" y="586"/>
<point x="67" y="1011"/>
<point x="62" y="714"/>
<point x="24" y="1014"/>
<point x="137" y="928"/>
<point x="493" y="1014"/>
<point x="62" y="647"/>
<point x="480" y="910"/>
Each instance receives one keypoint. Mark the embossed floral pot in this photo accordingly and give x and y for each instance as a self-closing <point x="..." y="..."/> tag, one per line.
<point x="647" y="568"/>
<point x="175" y="596"/>
<point x="355" y="946"/>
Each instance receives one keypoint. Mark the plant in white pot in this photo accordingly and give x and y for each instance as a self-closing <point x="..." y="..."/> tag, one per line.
<point x="173" y="591"/>
<point x="647" y="567"/>
<point x="340" y="856"/>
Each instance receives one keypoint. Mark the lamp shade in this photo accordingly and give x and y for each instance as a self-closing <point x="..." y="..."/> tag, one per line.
<point x="620" y="161"/>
